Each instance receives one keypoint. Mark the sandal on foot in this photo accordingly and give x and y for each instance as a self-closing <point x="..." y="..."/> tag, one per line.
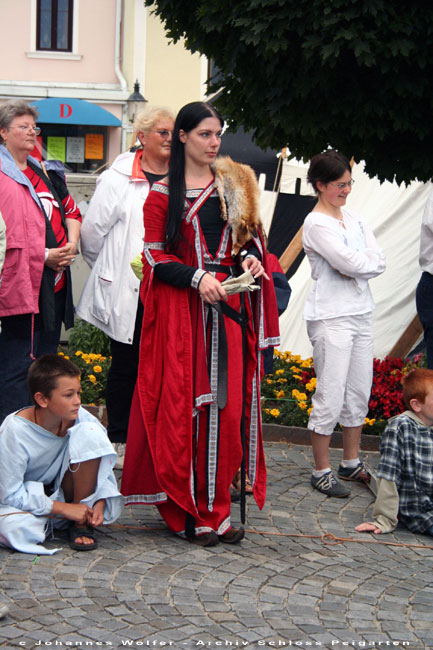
<point x="236" y="483"/>
<point x="81" y="531"/>
<point x="232" y="536"/>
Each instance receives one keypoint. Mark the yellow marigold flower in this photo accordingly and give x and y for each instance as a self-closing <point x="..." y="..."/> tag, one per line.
<point x="275" y="413"/>
<point x="61" y="354"/>
<point x="294" y="369"/>
<point x="302" y="405"/>
<point x="282" y="380"/>
<point x="97" y="369"/>
<point x="298" y="377"/>
<point x="102" y="358"/>
<point x="93" y="379"/>
<point x="269" y="381"/>
<point x="295" y="393"/>
<point x="280" y="372"/>
<point x="267" y="411"/>
<point x="306" y="364"/>
<point x="78" y="353"/>
<point x="309" y="410"/>
<point x="66" y="356"/>
<point x="279" y="394"/>
<point x="369" y="422"/>
<point x="301" y="397"/>
<point x="92" y="404"/>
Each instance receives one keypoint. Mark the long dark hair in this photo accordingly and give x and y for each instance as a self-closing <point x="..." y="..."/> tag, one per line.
<point x="187" y="119"/>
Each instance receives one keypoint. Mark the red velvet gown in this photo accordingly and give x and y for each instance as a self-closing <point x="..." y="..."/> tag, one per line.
<point x="183" y="451"/>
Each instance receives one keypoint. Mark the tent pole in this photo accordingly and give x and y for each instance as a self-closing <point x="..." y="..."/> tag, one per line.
<point x="292" y="251"/>
<point x="408" y="339"/>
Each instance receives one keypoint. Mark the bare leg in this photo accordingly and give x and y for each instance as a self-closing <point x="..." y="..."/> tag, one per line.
<point x="78" y="483"/>
<point x="320" y="445"/>
<point x="351" y="440"/>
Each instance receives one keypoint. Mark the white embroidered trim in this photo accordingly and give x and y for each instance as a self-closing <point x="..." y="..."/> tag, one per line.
<point x="222" y="528"/>
<point x="154" y="246"/>
<point x="159" y="187"/>
<point x="197" y="277"/>
<point x="159" y="497"/>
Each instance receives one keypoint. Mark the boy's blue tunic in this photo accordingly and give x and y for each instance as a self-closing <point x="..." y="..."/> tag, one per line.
<point x="32" y="458"/>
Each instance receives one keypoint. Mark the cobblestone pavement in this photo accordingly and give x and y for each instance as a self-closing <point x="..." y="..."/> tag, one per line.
<point x="147" y="588"/>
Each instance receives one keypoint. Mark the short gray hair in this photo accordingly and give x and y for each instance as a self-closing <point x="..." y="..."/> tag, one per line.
<point x="149" y="116"/>
<point x="15" y="108"/>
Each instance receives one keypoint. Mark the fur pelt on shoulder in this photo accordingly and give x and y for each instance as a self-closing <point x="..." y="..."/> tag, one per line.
<point x="238" y="191"/>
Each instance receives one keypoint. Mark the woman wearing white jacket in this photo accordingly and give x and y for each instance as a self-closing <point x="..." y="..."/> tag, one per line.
<point x="111" y="236"/>
<point x="343" y="255"/>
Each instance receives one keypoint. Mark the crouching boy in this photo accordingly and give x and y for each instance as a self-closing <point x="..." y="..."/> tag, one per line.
<point x="56" y="464"/>
<point x="405" y="472"/>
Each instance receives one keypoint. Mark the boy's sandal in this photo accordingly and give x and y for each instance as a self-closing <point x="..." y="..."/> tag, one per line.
<point x="81" y="531"/>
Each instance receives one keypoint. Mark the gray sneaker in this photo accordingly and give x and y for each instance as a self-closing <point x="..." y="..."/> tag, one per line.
<point x="328" y="484"/>
<point x="358" y="473"/>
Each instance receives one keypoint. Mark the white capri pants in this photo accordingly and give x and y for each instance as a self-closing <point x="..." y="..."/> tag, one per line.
<point x="343" y="361"/>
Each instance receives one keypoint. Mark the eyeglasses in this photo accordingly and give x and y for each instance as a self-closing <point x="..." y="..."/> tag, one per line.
<point x="26" y="128"/>
<point x="341" y="186"/>
<point x="164" y="133"/>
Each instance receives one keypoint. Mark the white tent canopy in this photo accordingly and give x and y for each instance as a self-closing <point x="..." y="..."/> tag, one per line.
<point x="394" y="212"/>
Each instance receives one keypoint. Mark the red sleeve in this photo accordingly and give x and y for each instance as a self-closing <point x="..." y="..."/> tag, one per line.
<point x="71" y="209"/>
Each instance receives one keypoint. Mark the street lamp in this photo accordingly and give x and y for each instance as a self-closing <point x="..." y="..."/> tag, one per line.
<point x="135" y="102"/>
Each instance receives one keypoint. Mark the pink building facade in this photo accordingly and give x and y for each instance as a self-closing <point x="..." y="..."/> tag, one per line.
<point x="66" y="56"/>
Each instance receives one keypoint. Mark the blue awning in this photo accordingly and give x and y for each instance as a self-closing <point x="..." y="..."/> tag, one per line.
<point x="73" y="111"/>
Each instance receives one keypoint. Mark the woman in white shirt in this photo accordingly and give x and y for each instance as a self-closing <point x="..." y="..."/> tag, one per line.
<point x="343" y="255"/>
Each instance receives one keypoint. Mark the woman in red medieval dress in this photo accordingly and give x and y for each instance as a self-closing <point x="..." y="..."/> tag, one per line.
<point x="202" y="226"/>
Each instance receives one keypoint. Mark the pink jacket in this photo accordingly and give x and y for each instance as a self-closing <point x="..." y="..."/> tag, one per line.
<point x="25" y="243"/>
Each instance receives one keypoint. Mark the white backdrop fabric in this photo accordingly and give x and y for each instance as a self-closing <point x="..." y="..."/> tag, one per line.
<point x="394" y="212"/>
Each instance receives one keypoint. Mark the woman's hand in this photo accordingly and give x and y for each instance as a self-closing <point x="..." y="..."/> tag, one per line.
<point x="255" y="267"/>
<point x="211" y="290"/>
<point x="59" y="258"/>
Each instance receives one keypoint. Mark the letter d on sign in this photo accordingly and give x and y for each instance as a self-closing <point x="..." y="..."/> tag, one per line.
<point x="65" y="110"/>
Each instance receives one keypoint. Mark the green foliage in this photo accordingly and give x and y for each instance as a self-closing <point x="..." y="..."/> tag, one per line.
<point x="87" y="337"/>
<point x="311" y="74"/>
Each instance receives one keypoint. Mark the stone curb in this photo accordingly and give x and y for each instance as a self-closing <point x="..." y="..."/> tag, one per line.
<point x="301" y="436"/>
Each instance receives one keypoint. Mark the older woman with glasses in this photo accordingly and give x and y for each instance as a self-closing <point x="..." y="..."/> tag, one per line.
<point x="343" y="255"/>
<point x="111" y="237"/>
<point x="42" y="232"/>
